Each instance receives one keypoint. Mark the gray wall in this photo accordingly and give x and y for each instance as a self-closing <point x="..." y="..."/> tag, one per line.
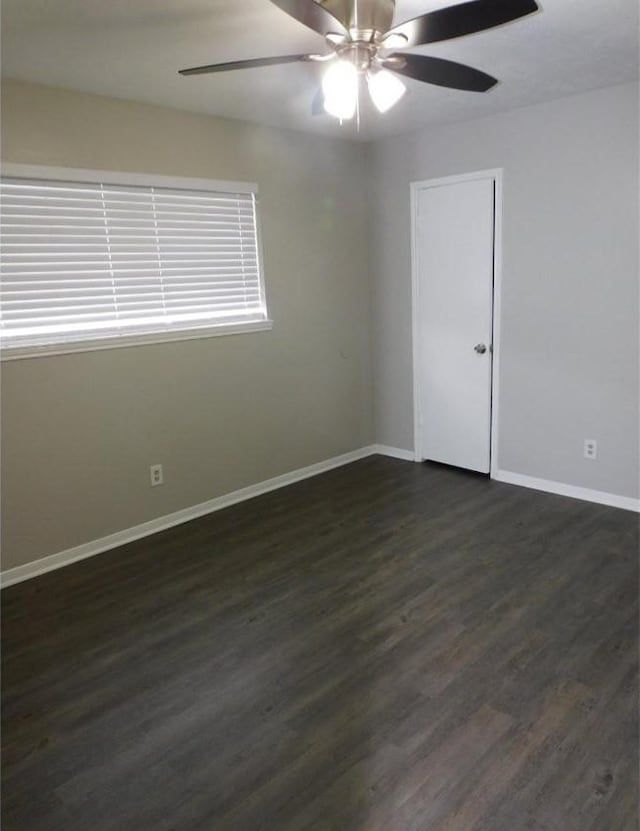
<point x="569" y="361"/>
<point x="80" y="431"/>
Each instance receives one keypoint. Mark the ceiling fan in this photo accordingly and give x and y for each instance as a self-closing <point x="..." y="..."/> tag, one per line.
<point x="363" y="43"/>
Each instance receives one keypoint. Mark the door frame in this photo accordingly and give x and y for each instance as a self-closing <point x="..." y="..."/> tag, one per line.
<point x="497" y="175"/>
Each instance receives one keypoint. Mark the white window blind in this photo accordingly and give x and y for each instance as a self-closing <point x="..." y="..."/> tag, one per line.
<point x="88" y="260"/>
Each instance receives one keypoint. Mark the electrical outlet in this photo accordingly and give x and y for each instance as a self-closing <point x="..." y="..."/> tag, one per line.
<point x="590" y="449"/>
<point x="157" y="477"/>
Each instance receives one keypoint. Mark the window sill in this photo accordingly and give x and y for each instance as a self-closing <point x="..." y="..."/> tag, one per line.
<point x="13" y="353"/>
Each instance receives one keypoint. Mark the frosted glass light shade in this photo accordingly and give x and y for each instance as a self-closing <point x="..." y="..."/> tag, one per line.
<point x="385" y="89"/>
<point x="340" y="88"/>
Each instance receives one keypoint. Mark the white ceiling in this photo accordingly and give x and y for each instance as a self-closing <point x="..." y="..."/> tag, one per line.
<point x="133" y="49"/>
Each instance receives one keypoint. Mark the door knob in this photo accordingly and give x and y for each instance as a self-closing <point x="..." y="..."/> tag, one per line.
<point x="480" y="348"/>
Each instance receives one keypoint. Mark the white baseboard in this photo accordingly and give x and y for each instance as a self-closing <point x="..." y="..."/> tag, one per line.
<point x="394" y="452"/>
<point x="145" y="529"/>
<point x="627" y="503"/>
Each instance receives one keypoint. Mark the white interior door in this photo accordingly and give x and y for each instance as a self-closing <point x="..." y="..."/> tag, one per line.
<point x="454" y="248"/>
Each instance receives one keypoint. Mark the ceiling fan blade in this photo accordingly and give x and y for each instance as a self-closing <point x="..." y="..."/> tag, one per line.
<point x="250" y="64"/>
<point x="317" y="103"/>
<point x="464" y="19"/>
<point x="313" y="15"/>
<point x="440" y="72"/>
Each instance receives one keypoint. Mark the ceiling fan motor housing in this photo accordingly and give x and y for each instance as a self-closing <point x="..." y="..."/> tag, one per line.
<point x="365" y="19"/>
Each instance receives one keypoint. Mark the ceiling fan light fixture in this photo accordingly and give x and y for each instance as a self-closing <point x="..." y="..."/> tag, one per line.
<point x="362" y="41"/>
<point x="385" y="89"/>
<point x="340" y="89"/>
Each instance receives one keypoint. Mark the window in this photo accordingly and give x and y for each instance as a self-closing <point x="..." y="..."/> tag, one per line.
<point x="95" y="259"/>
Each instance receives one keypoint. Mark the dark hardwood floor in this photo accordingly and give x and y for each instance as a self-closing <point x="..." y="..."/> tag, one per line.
<point x="386" y="647"/>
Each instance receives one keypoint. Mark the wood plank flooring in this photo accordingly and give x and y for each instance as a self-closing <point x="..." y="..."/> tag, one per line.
<point x="385" y="647"/>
